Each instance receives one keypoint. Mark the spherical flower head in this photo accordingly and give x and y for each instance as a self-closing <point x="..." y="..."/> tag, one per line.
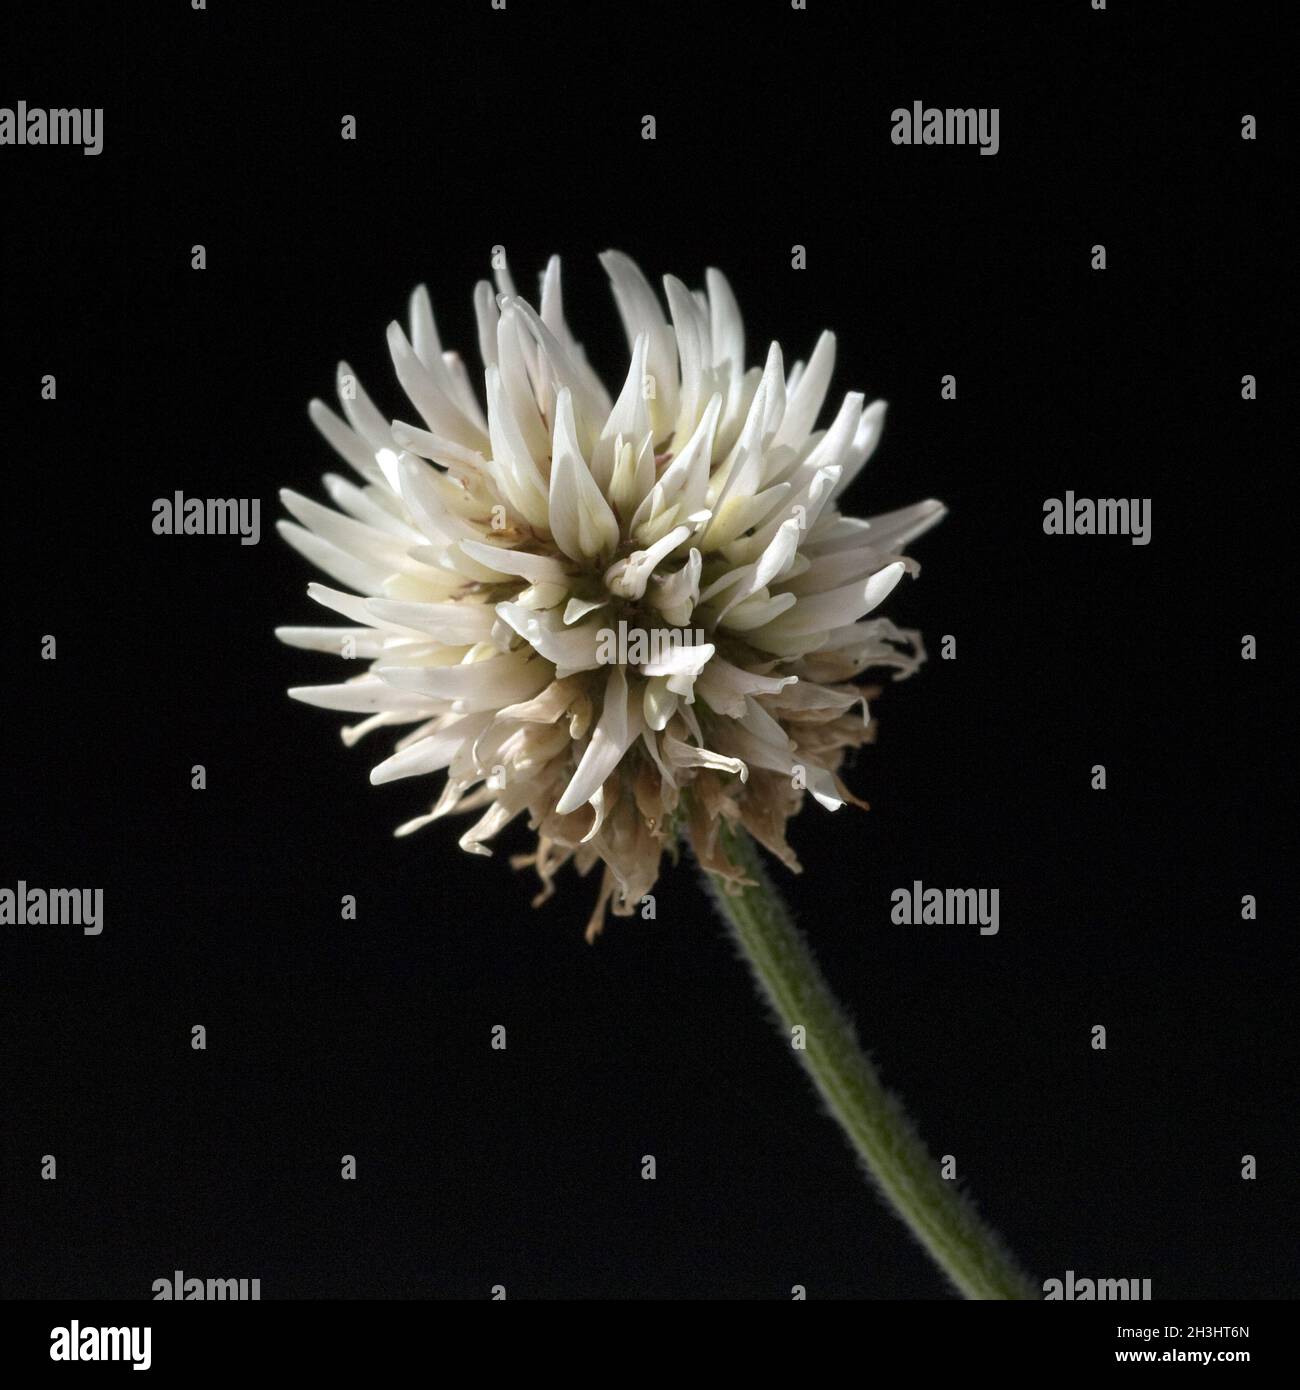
<point x="628" y="621"/>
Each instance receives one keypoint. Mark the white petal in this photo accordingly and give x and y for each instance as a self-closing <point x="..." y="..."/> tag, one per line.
<point x="726" y="328"/>
<point x="476" y="685"/>
<point x="737" y="514"/>
<point x="681" y="754"/>
<point x="577" y="608"/>
<point x="537" y="569"/>
<point x="628" y="578"/>
<point x="363" y="696"/>
<point x="431" y="753"/>
<point x="362" y="642"/>
<point x="571" y="649"/>
<point x="770" y="566"/>
<point x="629" y="417"/>
<point x="423" y="490"/>
<point x="360" y="410"/>
<point x="434" y="446"/>
<point x="821" y="612"/>
<point x="462" y="391"/>
<point x="517" y="361"/>
<point x="568" y="371"/>
<point x="639" y="309"/>
<point x="424" y="329"/>
<point x="349" y="605"/>
<point x="804" y="401"/>
<point x="865" y="438"/>
<point x="833" y="447"/>
<point x="680" y="658"/>
<point x="485" y="311"/>
<point x="338" y="564"/>
<point x="614" y="732"/>
<point x="725" y="686"/>
<point x="691" y="329"/>
<point x="659" y="703"/>
<point x="363" y="504"/>
<point x="675" y="595"/>
<point x="344" y="440"/>
<point x="453" y="624"/>
<point x="902" y="527"/>
<point x="493" y="820"/>
<point x="513" y="466"/>
<point x="347" y="534"/>
<point x="840" y="567"/>
<point x="686" y="479"/>
<point x="582" y="522"/>
<point x="632" y="477"/>
<point x="430" y="391"/>
<point x="757" y="611"/>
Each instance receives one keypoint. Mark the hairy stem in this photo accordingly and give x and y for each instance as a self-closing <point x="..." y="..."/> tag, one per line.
<point x="940" y="1217"/>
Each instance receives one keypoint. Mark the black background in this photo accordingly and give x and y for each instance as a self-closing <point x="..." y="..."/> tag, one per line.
<point x="325" y="1037"/>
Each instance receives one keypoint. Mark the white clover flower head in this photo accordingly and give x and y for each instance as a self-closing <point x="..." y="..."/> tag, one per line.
<point x="626" y="621"/>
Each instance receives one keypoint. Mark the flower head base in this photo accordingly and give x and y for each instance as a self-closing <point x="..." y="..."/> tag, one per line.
<point x="621" y="619"/>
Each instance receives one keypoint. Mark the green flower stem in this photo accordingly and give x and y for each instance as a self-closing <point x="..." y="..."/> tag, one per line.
<point x="958" y="1241"/>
